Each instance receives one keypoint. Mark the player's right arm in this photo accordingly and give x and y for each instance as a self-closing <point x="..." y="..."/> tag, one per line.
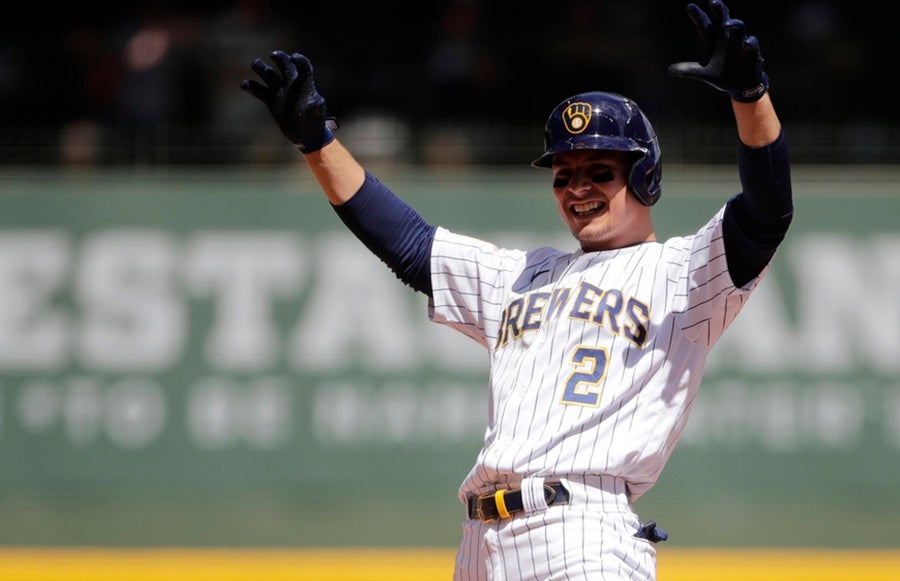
<point x="339" y="174"/>
<point x="389" y="227"/>
<point x="289" y="91"/>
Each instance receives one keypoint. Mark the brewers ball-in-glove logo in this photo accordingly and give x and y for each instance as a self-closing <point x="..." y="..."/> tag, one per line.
<point x="576" y="117"/>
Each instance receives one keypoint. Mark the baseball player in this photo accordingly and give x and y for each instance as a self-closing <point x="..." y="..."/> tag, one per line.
<point x="597" y="352"/>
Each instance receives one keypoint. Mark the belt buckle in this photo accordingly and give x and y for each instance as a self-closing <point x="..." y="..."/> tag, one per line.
<point x="481" y="502"/>
<point x="549" y="494"/>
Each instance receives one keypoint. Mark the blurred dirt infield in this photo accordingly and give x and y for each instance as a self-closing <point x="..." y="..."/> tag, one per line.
<point x="391" y="564"/>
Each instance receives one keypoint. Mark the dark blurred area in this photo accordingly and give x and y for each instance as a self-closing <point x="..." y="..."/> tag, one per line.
<point x="428" y="83"/>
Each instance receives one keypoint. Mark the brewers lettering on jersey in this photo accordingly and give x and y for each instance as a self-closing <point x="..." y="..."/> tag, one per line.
<point x="596" y="352"/>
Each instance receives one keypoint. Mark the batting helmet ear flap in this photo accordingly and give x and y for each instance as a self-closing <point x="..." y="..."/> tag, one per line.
<point x="611" y="122"/>
<point x="645" y="178"/>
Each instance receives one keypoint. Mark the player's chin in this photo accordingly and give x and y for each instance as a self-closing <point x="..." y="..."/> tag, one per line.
<point x="590" y="237"/>
<point x="585" y="225"/>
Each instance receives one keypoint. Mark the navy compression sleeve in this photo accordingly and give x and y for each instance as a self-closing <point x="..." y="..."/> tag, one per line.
<point x="757" y="219"/>
<point x="392" y="230"/>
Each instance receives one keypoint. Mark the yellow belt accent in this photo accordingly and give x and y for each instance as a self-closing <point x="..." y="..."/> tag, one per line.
<point x="501" y="504"/>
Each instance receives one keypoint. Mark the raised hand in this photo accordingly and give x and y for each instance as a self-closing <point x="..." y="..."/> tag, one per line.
<point x="291" y="97"/>
<point x="733" y="62"/>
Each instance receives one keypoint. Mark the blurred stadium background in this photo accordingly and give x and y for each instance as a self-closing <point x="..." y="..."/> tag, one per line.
<point x="203" y="376"/>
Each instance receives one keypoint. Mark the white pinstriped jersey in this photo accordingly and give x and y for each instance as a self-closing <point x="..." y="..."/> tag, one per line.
<point x="595" y="358"/>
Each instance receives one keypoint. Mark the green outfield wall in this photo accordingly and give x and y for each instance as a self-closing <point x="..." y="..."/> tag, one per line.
<point x="209" y="358"/>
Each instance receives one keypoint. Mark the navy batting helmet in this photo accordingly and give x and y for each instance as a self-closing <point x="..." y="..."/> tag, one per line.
<point x="607" y="121"/>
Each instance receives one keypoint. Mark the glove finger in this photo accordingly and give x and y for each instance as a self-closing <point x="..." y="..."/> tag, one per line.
<point x="259" y="91"/>
<point x="302" y="64"/>
<point x="735" y="27"/>
<point x="303" y="71"/>
<point x="267" y="74"/>
<point x="278" y="57"/>
<point x="703" y="26"/>
<point x="699" y="18"/>
<point x="287" y="68"/>
<point x="751" y="44"/>
<point x="718" y="12"/>
<point x="299" y="84"/>
<point x="314" y="103"/>
<point x="736" y="33"/>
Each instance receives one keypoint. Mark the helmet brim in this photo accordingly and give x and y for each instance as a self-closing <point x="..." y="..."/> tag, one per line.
<point x="595" y="142"/>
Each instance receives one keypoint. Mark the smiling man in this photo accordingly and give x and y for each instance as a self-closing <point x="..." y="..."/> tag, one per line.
<point x="597" y="353"/>
<point x="600" y="145"/>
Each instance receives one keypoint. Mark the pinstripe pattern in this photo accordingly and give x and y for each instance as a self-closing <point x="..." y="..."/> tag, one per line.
<point x="596" y="360"/>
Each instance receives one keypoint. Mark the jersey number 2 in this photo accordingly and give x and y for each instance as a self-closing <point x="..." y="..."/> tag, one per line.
<point x="583" y="386"/>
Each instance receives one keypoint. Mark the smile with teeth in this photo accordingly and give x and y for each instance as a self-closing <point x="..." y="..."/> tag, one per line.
<point x="586" y="208"/>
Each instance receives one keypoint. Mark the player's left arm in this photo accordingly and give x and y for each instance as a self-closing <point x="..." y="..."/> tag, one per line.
<point x="757" y="219"/>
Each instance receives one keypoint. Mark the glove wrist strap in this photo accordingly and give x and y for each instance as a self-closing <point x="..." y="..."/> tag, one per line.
<point x="752" y="94"/>
<point x="308" y="146"/>
<point x="327" y="136"/>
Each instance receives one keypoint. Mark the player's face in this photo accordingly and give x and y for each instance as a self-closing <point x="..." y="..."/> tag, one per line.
<point x="592" y="196"/>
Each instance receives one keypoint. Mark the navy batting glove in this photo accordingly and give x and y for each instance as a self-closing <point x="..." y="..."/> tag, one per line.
<point x="291" y="96"/>
<point x="734" y="63"/>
